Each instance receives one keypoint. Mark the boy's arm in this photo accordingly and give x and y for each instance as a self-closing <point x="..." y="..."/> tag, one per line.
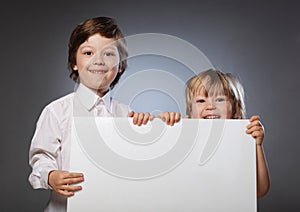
<point x="45" y="157"/>
<point x="44" y="149"/>
<point x="263" y="183"/>
<point x="256" y="129"/>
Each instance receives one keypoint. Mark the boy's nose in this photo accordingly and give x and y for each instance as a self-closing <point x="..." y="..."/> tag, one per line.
<point x="210" y="106"/>
<point x="98" y="60"/>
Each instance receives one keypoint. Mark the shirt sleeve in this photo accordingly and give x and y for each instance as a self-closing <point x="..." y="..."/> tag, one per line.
<point x="45" y="149"/>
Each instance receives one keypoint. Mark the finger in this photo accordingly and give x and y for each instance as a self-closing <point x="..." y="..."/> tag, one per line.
<point x="135" y="118"/>
<point x="73" y="180"/>
<point x="74" y="174"/>
<point x="140" y="119"/>
<point x="254" y="128"/>
<point x="253" y="118"/>
<point x="254" y="123"/>
<point x="151" y="117"/>
<point x="166" y="117"/>
<point x="146" y="118"/>
<point x="71" y="188"/>
<point x="65" y="193"/>
<point x="172" y="118"/>
<point x="131" y="114"/>
<point x="256" y="134"/>
<point x="177" y="117"/>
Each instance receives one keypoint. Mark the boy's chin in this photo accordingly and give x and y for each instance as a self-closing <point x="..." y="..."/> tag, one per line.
<point x="98" y="87"/>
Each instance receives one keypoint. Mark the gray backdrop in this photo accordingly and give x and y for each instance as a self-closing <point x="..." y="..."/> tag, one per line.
<point x="257" y="40"/>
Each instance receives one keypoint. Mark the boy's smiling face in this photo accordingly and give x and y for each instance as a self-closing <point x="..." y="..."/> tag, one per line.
<point x="97" y="62"/>
<point x="211" y="107"/>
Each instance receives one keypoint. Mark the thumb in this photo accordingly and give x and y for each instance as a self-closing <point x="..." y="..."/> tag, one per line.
<point x="131" y="114"/>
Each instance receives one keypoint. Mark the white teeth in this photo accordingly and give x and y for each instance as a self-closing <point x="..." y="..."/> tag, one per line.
<point x="97" y="71"/>
<point x="212" y="117"/>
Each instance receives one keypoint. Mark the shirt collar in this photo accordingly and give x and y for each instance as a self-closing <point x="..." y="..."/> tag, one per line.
<point x="90" y="99"/>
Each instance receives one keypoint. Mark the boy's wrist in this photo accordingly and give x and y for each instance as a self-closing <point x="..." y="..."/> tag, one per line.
<point x="50" y="187"/>
<point x="259" y="146"/>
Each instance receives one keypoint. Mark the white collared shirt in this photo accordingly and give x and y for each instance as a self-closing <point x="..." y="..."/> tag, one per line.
<point x="50" y="145"/>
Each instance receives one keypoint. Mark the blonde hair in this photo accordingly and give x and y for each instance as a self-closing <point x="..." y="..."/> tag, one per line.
<point x="215" y="82"/>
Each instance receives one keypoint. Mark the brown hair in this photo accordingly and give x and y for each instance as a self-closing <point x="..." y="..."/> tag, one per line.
<point x="215" y="82"/>
<point x="106" y="27"/>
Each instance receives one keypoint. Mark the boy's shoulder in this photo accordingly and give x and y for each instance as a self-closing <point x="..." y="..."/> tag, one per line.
<point x="67" y="99"/>
<point x="61" y="104"/>
<point x="59" y="109"/>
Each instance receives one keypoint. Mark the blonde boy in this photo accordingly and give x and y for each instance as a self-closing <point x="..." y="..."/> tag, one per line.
<point x="213" y="94"/>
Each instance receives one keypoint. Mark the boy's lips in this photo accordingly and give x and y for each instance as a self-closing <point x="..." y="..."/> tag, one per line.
<point x="211" y="117"/>
<point x="98" y="71"/>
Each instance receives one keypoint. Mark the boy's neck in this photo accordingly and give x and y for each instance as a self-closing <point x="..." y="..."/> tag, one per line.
<point x="98" y="92"/>
<point x="102" y="93"/>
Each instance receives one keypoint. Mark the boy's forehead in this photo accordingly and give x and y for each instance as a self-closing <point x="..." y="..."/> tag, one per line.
<point x="209" y="90"/>
<point x="98" y="39"/>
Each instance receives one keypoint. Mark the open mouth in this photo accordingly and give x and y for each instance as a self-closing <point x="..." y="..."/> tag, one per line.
<point x="212" y="117"/>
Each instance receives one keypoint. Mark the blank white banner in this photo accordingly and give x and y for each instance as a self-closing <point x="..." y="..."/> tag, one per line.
<point x="195" y="165"/>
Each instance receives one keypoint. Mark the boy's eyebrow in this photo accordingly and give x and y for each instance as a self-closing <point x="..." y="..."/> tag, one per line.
<point x="199" y="96"/>
<point x="104" y="47"/>
<point x="110" y="47"/>
<point x="84" y="46"/>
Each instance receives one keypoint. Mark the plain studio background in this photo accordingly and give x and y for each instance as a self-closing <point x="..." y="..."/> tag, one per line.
<point x="257" y="40"/>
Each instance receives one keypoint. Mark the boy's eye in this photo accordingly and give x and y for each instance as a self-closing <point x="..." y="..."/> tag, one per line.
<point x="200" y="101"/>
<point x="220" y="99"/>
<point x="108" y="54"/>
<point x="89" y="53"/>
